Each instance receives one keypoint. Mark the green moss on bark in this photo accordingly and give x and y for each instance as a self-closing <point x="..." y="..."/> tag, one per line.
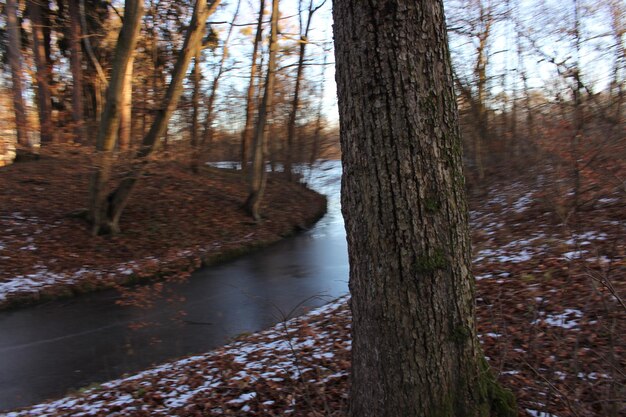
<point x="426" y="264"/>
<point x="499" y="402"/>
<point x="432" y="205"/>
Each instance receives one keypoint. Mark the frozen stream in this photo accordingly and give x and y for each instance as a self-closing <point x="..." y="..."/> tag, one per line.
<point x="49" y="349"/>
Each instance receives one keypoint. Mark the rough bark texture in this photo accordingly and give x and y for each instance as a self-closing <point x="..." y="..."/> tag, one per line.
<point x="14" y="54"/>
<point x="37" y="9"/>
<point x="415" y="350"/>
<point x="258" y="174"/>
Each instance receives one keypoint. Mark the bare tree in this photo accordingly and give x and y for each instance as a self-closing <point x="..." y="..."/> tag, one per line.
<point x="99" y="212"/>
<point x="195" y="102"/>
<point x="110" y="205"/>
<point x="208" y="130"/>
<point x="37" y="9"/>
<point x="246" y="136"/>
<point x="258" y="176"/>
<point x="295" y="103"/>
<point x="76" y="66"/>
<point x="475" y="19"/>
<point x="14" y="53"/>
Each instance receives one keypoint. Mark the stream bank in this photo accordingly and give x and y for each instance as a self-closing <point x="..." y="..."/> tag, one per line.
<point x="175" y="223"/>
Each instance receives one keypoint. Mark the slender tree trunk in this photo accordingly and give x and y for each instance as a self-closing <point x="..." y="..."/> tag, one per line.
<point x="415" y="349"/>
<point x="195" y="100"/>
<point x="14" y="53"/>
<point x="110" y="120"/>
<point x="315" y="146"/>
<point x="482" y="60"/>
<point x="295" y="103"/>
<point x="246" y="136"/>
<point x="258" y="175"/>
<point x="157" y="70"/>
<point x="76" y="65"/>
<point x="618" y="28"/>
<point x="116" y="200"/>
<point x="43" y="73"/>
<point x="578" y="114"/>
<point x="208" y="127"/>
<point x="126" y="110"/>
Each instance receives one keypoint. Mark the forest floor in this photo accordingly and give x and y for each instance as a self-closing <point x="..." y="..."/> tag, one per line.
<point x="175" y="222"/>
<point x="550" y="285"/>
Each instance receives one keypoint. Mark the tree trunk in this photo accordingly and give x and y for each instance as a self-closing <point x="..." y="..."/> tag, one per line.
<point x="258" y="175"/>
<point x="42" y="75"/>
<point x="116" y="201"/>
<point x="127" y="107"/>
<point x="578" y="114"/>
<point x="295" y="103"/>
<point x="246" y="136"/>
<point x="76" y="65"/>
<point x="208" y="127"/>
<point x="14" y="54"/>
<point x="195" y="100"/>
<point x="315" y="146"/>
<point x="109" y="123"/>
<point x="415" y="349"/>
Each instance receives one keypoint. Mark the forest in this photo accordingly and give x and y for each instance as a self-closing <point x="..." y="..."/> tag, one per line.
<point x="336" y="208"/>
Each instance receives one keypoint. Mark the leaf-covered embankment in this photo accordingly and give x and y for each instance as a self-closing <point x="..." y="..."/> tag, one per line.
<point x="175" y="222"/>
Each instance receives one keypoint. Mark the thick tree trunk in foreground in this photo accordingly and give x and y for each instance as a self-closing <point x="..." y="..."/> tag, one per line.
<point x="415" y="350"/>
<point x="14" y="54"/>
<point x="258" y="175"/>
<point x="116" y="200"/>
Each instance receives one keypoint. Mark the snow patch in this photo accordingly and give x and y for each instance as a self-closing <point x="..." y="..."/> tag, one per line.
<point x="567" y="320"/>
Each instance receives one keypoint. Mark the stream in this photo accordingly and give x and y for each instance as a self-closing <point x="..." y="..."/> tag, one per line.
<point x="51" y="349"/>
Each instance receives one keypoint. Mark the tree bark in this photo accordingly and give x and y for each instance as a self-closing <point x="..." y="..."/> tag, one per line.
<point x="258" y="175"/>
<point x="109" y="122"/>
<point x="14" y="53"/>
<point x="246" y="136"/>
<point x="415" y="349"/>
<point x="116" y="201"/>
<point x="76" y="65"/>
<point x="126" y="110"/>
<point x="43" y="70"/>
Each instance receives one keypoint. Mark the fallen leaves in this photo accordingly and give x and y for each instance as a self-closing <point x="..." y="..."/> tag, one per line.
<point x="175" y="222"/>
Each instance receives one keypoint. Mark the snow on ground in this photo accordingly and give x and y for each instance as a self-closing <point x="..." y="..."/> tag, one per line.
<point x="252" y="376"/>
<point x="567" y="320"/>
<point x="291" y="366"/>
<point x="535" y="413"/>
<point x="511" y="199"/>
<point x="42" y="278"/>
